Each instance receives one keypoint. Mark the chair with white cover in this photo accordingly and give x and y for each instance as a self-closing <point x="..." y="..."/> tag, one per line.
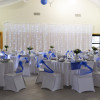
<point x="15" y="81"/>
<point x="82" y="81"/>
<point x="51" y="80"/>
<point x="2" y="81"/>
<point x="96" y="73"/>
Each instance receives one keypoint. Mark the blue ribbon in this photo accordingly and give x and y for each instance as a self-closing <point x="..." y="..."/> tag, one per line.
<point x="49" y="52"/>
<point x="33" y="52"/>
<point x="67" y="52"/>
<point x="22" y="52"/>
<point x="37" y="61"/>
<point x="80" y="57"/>
<point x="45" y="56"/>
<point x="3" y="52"/>
<point x="27" y="59"/>
<point x="47" y="69"/>
<point x="52" y="55"/>
<point x="5" y="56"/>
<point x="77" y="65"/>
<point x="19" y="56"/>
<point x="20" y="67"/>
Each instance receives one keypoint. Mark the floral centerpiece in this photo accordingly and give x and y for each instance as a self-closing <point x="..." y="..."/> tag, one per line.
<point x="29" y="48"/>
<point x="6" y="46"/>
<point x="51" y="47"/>
<point x="77" y="51"/>
<point x="94" y="49"/>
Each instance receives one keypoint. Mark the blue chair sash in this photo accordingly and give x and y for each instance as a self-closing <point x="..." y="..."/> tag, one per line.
<point x="20" y="67"/>
<point x="52" y="55"/>
<point x="3" y="52"/>
<point x="77" y="65"/>
<point x="37" y="61"/>
<point x="33" y="52"/>
<point x="5" y="56"/>
<point x="49" y="52"/>
<point x="22" y="52"/>
<point x="67" y="53"/>
<point x="47" y="69"/>
<point x="45" y="56"/>
<point x="19" y="56"/>
<point x="27" y="59"/>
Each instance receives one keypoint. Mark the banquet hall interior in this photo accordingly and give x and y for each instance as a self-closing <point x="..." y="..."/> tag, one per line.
<point x="49" y="49"/>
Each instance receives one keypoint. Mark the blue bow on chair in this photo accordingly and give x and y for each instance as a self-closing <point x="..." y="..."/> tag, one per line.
<point x="5" y="56"/>
<point x="22" y="52"/>
<point x="47" y="69"/>
<point x="33" y="52"/>
<point x="77" y="65"/>
<point x="52" y="55"/>
<point x="49" y="52"/>
<point x="37" y="61"/>
<point x="19" y="56"/>
<point x="27" y="59"/>
<point x="3" y="52"/>
<point x="67" y="52"/>
<point x="45" y="56"/>
<point x="20" y="67"/>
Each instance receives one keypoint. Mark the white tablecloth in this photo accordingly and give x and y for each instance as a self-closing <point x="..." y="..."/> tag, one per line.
<point x="5" y="68"/>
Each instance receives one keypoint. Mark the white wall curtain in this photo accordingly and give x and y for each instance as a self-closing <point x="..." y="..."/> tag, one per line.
<point x="41" y="36"/>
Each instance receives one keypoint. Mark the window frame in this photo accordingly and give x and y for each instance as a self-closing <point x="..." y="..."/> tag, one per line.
<point x="99" y="39"/>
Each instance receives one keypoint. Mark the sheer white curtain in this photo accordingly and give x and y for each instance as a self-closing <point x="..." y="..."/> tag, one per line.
<point x="41" y="36"/>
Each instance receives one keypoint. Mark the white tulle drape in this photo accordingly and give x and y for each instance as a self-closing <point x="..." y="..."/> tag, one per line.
<point x="41" y="36"/>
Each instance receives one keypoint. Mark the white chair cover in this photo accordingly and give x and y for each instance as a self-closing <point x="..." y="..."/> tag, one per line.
<point x="52" y="81"/>
<point x="14" y="82"/>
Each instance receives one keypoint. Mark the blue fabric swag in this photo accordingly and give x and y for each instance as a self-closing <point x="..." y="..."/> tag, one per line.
<point x="52" y="55"/>
<point x="5" y="56"/>
<point x="45" y="56"/>
<point x="47" y="69"/>
<point x="20" y="67"/>
<point x="77" y="65"/>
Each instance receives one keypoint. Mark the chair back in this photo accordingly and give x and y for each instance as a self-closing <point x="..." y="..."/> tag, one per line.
<point x="82" y="71"/>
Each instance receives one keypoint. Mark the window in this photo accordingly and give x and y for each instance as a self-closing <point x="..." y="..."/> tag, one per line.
<point x="96" y="41"/>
